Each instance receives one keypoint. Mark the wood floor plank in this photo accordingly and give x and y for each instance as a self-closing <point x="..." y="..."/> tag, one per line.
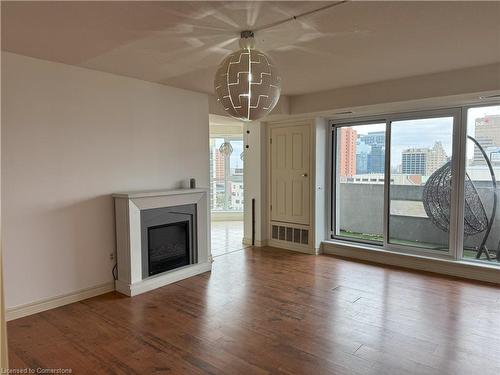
<point x="271" y="311"/>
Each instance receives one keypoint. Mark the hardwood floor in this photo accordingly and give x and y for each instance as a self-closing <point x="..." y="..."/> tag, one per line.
<point x="265" y="311"/>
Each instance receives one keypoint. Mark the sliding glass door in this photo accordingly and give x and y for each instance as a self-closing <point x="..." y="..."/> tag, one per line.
<point x="420" y="191"/>
<point x="359" y="189"/>
<point x="394" y="182"/>
<point x="481" y="194"/>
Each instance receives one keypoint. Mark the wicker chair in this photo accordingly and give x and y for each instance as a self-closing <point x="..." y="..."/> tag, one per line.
<point x="436" y="200"/>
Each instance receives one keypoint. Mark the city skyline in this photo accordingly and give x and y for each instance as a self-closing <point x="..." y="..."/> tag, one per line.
<point x="226" y="180"/>
<point x="235" y="159"/>
<point x="487" y="133"/>
<point x="407" y="134"/>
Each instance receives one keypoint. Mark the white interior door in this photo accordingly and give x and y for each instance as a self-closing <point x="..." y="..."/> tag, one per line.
<point x="290" y="174"/>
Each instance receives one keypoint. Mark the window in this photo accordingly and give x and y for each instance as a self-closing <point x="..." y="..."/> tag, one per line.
<point x="402" y="181"/>
<point x="481" y="185"/>
<point x="360" y="153"/>
<point x="226" y="173"/>
<point x="421" y="151"/>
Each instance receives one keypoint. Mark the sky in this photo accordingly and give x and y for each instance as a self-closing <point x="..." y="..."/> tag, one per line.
<point x="423" y="133"/>
<point x="414" y="133"/>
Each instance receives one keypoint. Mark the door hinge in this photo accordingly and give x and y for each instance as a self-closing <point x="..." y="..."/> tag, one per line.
<point x="271" y="140"/>
<point x="271" y="207"/>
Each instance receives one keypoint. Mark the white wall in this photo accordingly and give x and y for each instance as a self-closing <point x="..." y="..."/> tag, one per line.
<point x="71" y="137"/>
<point x="321" y="164"/>
<point x="455" y="82"/>
<point x="255" y="181"/>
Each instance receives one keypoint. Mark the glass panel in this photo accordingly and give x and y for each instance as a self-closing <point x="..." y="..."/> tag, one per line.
<point x="168" y="247"/>
<point x="226" y="173"/>
<point x="360" y="182"/>
<point x="481" y="221"/>
<point x="420" y="183"/>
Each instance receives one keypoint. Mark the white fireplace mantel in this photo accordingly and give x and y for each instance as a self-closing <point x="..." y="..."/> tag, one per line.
<point x="128" y="206"/>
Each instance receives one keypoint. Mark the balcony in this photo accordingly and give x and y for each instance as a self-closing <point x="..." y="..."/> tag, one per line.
<point x="409" y="225"/>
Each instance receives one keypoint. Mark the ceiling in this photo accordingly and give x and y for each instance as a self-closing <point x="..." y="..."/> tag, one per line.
<point x="181" y="43"/>
<point x="222" y="125"/>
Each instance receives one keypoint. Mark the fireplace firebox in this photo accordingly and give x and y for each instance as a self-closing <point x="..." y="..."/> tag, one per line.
<point x="168" y="239"/>
<point x="168" y="247"/>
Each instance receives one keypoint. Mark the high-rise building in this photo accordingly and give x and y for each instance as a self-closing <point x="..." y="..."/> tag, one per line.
<point x="436" y="158"/>
<point x="494" y="155"/>
<point x="237" y="195"/>
<point x="347" y="152"/>
<point x="423" y="161"/>
<point x="237" y="171"/>
<point x="362" y="151"/>
<point x="413" y="161"/>
<point x="487" y="133"/>
<point x="373" y="138"/>
<point x="220" y="166"/>
<point x="376" y="157"/>
<point x="370" y="153"/>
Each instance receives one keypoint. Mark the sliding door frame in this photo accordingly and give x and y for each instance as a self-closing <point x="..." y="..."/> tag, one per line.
<point x="451" y="253"/>
<point x="334" y="210"/>
<point x="458" y="161"/>
<point x="462" y="169"/>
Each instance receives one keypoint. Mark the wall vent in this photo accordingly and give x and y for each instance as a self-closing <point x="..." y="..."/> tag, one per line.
<point x="289" y="234"/>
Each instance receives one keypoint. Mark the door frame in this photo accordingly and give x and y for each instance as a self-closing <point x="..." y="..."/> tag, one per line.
<point x="309" y="248"/>
<point x="334" y="183"/>
<point x="456" y="209"/>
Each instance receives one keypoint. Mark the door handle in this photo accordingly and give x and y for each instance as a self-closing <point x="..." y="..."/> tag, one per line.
<point x="304" y="174"/>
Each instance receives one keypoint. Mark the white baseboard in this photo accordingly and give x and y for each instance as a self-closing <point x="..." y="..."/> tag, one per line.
<point x="248" y="241"/>
<point x="460" y="269"/>
<point x="292" y="246"/>
<point x="154" y="282"/>
<point x="53" y="302"/>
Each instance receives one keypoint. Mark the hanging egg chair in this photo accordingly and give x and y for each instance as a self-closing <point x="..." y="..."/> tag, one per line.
<point x="436" y="200"/>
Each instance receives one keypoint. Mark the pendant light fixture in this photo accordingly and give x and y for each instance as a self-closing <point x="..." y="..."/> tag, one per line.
<point x="226" y="149"/>
<point x="247" y="83"/>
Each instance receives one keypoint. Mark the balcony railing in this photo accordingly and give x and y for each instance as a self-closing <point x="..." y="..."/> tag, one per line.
<point x="408" y="221"/>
